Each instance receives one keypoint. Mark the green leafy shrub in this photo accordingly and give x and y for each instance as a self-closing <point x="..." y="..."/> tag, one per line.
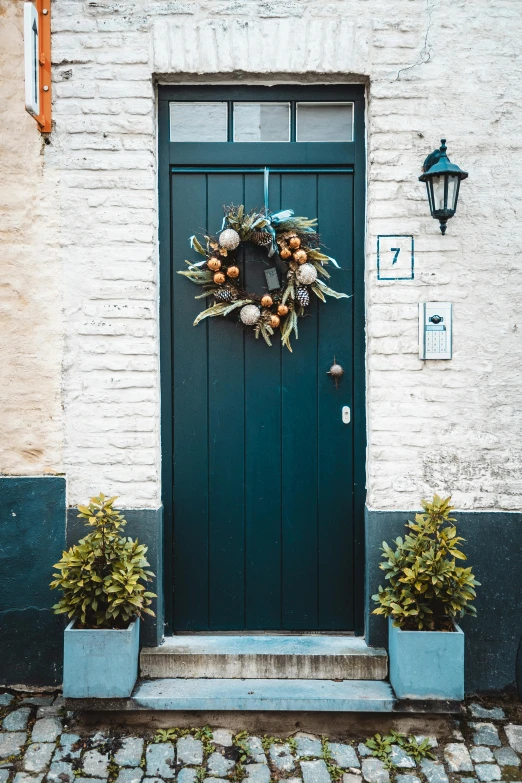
<point x="426" y="587"/>
<point x="101" y="577"/>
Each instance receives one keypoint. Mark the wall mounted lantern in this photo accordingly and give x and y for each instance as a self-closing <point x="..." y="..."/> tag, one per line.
<point x="442" y="178"/>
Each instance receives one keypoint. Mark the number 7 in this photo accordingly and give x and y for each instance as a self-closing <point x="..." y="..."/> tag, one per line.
<point x="395" y="250"/>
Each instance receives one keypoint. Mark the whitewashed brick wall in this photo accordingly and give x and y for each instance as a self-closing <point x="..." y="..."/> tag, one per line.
<point x="31" y="326"/>
<point x="448" y="68"/>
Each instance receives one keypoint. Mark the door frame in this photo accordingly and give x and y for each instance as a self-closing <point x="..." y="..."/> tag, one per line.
<point x="230" y="92"/>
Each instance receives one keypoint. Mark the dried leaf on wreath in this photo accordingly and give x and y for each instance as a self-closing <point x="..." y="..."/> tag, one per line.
<point x="286" y="331"/>
<point x="289" y="326"/>
<point x="222" y="308"/>
<point x="320" y="269"/>
<point x="197" y="246"/>
<point x="303" y="224"/>
<point x="266" y="331"/>
<point x="331" y="292"/>
<point x="239" y="303"/>
<point x="317" y="291"/>
<point x="317" y="255"/>
<point x="200" y="277"/>
<point x="289" y="291"/>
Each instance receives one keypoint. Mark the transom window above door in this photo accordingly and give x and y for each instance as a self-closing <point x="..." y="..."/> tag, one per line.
<point x="261" y="121"/>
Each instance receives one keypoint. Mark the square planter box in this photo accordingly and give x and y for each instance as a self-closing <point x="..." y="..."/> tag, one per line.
<point x="100" y="663"/>
<point x="427" y="664"/>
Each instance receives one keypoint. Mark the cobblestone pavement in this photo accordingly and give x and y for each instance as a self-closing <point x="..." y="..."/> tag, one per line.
<point x="42" y="743"/>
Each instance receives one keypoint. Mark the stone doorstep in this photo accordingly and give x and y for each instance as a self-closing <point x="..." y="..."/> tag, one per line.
<point x="265" y="656"/>
<point x="262" y="695"/>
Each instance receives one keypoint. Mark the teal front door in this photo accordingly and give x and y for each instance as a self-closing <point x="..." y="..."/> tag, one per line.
<point x="263" y="481"/>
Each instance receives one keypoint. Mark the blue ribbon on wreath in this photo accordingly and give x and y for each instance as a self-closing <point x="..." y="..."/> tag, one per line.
<point x="270" y="219"/>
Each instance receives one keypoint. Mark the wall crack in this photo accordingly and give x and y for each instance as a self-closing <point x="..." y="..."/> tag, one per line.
<point x="425" y="54"/>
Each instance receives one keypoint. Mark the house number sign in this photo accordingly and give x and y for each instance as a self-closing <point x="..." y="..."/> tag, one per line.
<point x="395" y="257"/>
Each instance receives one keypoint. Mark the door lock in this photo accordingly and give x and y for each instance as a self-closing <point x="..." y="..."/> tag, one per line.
<point x="346" y="414"/>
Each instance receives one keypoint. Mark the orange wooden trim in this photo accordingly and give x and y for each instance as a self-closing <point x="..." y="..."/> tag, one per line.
<point x="43" y="8"/>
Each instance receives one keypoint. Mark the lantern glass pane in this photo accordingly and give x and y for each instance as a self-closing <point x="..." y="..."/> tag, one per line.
<point x="430" y="194"/>
<point x="438" y="192"/>
<point x="452" y="191"/>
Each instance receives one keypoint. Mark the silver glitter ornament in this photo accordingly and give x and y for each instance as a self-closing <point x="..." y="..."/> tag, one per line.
<point x="250" y="314"/>
<point x="229" y="239"/>
<point x="306" y="274"/>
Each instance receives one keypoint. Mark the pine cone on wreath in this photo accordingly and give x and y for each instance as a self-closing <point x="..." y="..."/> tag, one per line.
<point x="303" y="295"/>
<point x="263" y="238"/>
<point x="226" y="294"/>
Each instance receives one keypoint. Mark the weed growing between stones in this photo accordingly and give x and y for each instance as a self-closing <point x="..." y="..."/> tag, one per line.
<point x="240" y="742"/>
<point x="382" y="746"/>
<point x="267" y="742"/>
<point x="335" y="771"/>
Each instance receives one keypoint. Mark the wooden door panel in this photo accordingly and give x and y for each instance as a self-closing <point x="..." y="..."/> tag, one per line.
<point x="334" y="439"/>
<point x="226" y="437"/>
<point x="190" y="417"/>
<point x="263" y="467"/>
<point x="264" y="454"/>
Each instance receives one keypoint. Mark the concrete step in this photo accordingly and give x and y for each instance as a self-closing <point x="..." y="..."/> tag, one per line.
<point x="264" y="656"/>
<point x="217" y="695"/>
<point x="172" y="700"/>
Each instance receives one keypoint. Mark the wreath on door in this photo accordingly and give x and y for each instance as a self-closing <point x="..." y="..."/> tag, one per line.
<point x="293" y="240"/>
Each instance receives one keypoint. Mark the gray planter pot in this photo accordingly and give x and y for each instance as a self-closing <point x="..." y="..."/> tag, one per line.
<point x="427" y="664"/>
<point x="100" y="663"/>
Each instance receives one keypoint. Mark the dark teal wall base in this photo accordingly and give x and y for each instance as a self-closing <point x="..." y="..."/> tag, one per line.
<point x="32" y="537"/>
<point x="35" y="527"/>
<point x="493" y="549"/>
<point x="146" y="525"/>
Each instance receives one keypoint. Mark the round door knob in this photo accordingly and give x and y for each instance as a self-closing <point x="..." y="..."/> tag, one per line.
<point x="336" y="371"/>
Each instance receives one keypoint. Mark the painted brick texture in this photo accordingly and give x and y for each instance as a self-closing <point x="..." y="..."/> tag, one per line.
<point x="31" y="326"/>
<point x="447" y="68"/>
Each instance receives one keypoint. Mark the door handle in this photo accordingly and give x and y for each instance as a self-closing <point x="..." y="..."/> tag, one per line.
<point x="336" y="371"/>
<point x="346" y="414"/>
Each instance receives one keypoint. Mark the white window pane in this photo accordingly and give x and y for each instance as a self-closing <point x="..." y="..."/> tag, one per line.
<point x="261" y="122"/>
<point x="324" y="122"/>
<point x="198" y="121"/>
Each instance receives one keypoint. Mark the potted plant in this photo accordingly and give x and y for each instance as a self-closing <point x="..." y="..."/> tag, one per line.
<point x="427" y="590"/>
<point x="102" y="578"/>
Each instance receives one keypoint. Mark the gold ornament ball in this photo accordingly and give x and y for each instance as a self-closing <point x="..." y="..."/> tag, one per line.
<point x="214" y="264"/>
<point x="294" y="242"/>
<point x="267" y="301"/>
<point x="285" y="252"/>
<point x="274" y="321"/>
<point x="282" y="310"/>
<point x="233" y="271"/>
<point x="300" y="256"/>
<point x="229" y="239"/>
<point x="219" y="278"/>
